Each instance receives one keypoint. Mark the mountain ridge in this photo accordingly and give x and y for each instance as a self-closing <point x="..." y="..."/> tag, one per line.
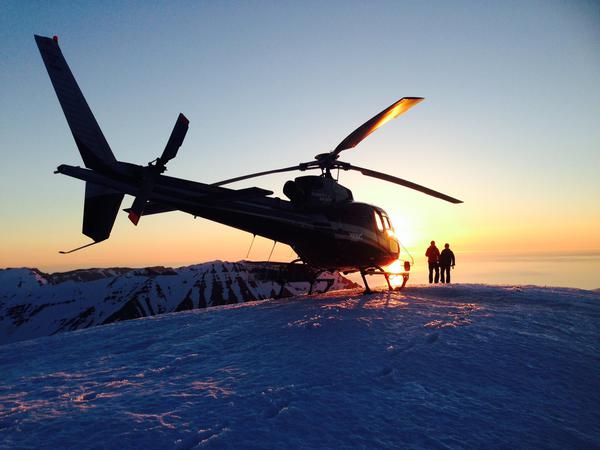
<point x="34" y="303"/>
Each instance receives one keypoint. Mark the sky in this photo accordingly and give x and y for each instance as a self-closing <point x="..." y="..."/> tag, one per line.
<point x="509" y="123"/>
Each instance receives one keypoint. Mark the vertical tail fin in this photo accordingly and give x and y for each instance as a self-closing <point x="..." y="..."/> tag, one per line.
<point x="92" y="144"/>
<point x="99" y="213"/>
<point x="100" y="210"/>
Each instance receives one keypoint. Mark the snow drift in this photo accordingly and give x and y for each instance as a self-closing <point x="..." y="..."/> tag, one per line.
<point x="462" y="366"/>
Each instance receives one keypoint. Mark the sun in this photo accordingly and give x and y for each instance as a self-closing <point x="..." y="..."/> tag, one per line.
<point x="396" y="267"/>
<point x="403" y="228"/>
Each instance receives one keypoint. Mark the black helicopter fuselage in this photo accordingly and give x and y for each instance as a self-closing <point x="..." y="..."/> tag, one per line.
<point x="326" y="231"/>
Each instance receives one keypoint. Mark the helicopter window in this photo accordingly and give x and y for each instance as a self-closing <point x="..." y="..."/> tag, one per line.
<point x="354" y="215"/>
<point x="386" y="221"/>
<point x="378" y="221"/>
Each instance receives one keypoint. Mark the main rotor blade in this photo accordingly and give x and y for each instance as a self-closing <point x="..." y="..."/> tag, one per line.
<point x="175" y="140"/>
<point x="391" y="112"/>
<point x="302" y="167"/>
<point x="400" y="181"/>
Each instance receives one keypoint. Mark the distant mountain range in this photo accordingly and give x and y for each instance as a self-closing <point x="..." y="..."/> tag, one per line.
<point x="33" y="303"/>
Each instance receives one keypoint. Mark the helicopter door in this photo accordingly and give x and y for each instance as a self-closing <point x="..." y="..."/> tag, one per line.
<point x="391" y="236"/>
<point x="380" y="232"/>
<point x="385" y="232"/>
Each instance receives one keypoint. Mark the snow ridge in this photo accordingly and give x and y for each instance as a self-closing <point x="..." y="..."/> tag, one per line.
<point x="33" y="303"/>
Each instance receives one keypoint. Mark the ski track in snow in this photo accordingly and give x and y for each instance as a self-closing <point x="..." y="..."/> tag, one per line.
<point x="461" y="366"/>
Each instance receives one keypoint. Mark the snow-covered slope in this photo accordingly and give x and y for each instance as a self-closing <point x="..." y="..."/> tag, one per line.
<point x="463" y="366"/>
<point x="35" y="304"/>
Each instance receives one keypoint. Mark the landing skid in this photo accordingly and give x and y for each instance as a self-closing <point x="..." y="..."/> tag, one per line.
<point x="314" y="275"/>
<point x="379" y="271"/>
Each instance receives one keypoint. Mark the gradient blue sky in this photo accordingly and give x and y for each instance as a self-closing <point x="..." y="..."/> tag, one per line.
<point x="509" y="124"/>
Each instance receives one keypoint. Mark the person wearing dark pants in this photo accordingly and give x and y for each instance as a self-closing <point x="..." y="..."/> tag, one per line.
<point x="433" y="256"/>
<point x="447" y="260"/>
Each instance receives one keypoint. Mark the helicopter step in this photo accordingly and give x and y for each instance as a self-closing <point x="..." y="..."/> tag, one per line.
<point x="380" y="271"/>
<point x="299" y="271"/>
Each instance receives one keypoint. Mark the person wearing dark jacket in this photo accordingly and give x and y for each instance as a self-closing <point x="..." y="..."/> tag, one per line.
<point x="446" y="260"/>
<point x="433" y="257"/>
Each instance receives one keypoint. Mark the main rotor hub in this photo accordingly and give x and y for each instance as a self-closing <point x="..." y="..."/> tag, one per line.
<point x="316" y="191"/>
<point x="326" y="159"/>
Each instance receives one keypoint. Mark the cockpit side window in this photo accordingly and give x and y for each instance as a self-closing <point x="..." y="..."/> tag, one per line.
<point x="378" y="221"/>
<point x="386" y="221"/>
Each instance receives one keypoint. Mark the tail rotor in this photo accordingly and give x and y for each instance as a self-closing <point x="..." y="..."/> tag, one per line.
<point x="175" y="140"/>
<point x="158" y="166"/>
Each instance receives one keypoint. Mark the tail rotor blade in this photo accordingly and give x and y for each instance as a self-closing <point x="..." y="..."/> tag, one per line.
<point x="175" y="140"/>
<point x="151" y="172"/>
<point x="137" y="208"/>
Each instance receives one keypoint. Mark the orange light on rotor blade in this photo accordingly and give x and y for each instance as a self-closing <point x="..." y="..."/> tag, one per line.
<point x="400" y="107"/>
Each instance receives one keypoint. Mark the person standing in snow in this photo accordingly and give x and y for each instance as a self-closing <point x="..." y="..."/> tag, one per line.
<point x="433" y="258"/>
<point x="446" y="260"/>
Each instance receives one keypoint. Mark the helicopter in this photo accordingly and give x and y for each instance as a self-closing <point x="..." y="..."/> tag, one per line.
<point x="320" y="220"/>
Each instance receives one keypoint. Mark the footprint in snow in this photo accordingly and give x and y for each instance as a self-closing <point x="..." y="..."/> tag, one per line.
<point x="274" y="410"/>
<point x="386" y="371"/>
<point x="432" y="338"/>
<point x="386" y="376"/>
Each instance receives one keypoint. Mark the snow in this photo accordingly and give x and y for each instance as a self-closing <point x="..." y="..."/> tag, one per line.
<point x="460" y="366"/>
